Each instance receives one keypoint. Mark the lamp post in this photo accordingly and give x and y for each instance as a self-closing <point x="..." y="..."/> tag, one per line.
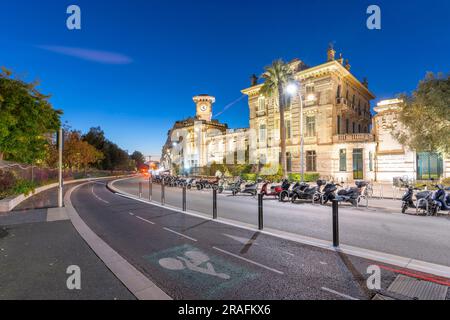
<point x="292" y="89"/>
<point x="60" y="164"/>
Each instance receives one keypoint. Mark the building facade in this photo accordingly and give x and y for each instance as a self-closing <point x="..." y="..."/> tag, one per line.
<point x="342" y="140"/>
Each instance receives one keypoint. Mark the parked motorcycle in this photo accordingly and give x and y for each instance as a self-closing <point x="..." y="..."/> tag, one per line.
<point x="246" y="188"/>
<point x="440" y="200"/>
<point x="352" y="195"/>
<point x="328" y="193"/>
<point x="287" y="191"/>
<point x="306" y="192"/>
<point x="225" y="185"/>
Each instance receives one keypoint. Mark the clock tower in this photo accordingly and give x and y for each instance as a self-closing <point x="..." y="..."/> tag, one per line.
<point x="204" y="104"/>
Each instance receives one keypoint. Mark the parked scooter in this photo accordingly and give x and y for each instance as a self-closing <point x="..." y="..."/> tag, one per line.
<point x="288" y="191"/>
<point x="328" y="193"/>
<point x="440" y="200"/>
<point x="247" y="188"/>
<point x="305" y="192"/>
<point x="352" y="195"/>
<point x="268" y="189"/>
<point x="226" y="185"/>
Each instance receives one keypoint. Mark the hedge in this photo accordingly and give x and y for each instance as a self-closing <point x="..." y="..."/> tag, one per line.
<point x="309" y="177"/>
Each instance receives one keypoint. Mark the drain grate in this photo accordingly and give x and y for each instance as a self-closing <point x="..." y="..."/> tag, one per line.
<point x="418" y="289"/>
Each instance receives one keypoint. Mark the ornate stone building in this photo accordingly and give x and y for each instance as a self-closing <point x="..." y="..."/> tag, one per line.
<point x="341" y="139"/>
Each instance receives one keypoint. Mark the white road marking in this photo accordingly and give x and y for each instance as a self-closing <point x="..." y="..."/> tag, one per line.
<point x="98" y="198"/>
<point x="339" y="294"/>
<point x="131" y="213"/>
<point x="180" y="234"/>
<point x="249" y="261"/>
<point x="145" y="220"/>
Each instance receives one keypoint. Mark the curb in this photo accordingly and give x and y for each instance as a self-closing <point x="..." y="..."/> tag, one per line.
<point x="376" y="256"/>
<point x="136" y="282"/>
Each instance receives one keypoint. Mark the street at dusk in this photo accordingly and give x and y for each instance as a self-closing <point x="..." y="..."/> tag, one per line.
<point x="225" y="159"/>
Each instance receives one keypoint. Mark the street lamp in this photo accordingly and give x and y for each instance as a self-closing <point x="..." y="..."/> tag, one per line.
<point x="292" y="89"/>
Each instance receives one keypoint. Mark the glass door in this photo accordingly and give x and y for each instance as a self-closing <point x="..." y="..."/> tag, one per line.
<point x="358" y="164"/>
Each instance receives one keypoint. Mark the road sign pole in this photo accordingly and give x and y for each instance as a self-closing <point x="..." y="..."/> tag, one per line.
<point x="140" y="190"/>
<point x="214" y="204"/>
<point x="260" y="212"/>
<point x="184" y="198"/>
<point x="335" y="223"/>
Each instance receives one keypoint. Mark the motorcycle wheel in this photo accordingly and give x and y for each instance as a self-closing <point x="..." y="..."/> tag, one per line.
<point x="199" y="187"/>
<point x="220" y="190"/>
<point x="324" y="200"/>
<point x="234" y="192"/>
<point x="254" y="193"/>
<point x="294" y="198"/>
<point x="189" y="187"/>
<point x="283" y="196"/>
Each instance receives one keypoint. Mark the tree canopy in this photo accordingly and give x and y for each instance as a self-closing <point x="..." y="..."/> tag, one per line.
<point x="425" y="115"/>
<point x="139" y="159"/>
<point x="114" y="158"/>
<point x="27" y="119"/>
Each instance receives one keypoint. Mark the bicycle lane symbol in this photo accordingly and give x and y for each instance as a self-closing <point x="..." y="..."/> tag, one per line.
<point x="192" y="261"/>
<point x="210" y="276"/>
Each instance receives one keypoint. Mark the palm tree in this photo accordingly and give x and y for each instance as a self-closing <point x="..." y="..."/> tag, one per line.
<point x="276" y="77"/>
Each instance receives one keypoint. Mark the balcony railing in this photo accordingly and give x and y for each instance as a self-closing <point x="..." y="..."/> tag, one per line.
<point x="353" y="137"/>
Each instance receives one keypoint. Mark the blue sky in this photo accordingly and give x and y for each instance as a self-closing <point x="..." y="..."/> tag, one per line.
<point x="161" y="53"/>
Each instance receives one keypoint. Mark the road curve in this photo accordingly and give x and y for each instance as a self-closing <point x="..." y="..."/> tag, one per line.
<point x="193" y="258"/>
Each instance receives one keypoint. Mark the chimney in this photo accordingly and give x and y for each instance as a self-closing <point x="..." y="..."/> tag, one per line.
<point x="254" y="80"/>
<point x="330" y="52"/>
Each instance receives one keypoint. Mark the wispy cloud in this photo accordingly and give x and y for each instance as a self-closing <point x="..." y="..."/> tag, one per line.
<point x="89" y="54"/>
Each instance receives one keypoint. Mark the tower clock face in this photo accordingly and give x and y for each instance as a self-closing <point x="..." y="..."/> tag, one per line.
<point x="203" y="108"/>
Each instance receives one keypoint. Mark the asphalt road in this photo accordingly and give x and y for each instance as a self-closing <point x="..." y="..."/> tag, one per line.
<point x="417" y="237"/>
<point x="193" y="258"/>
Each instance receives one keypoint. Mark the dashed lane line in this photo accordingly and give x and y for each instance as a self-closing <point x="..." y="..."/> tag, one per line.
<point x="248" y="260"/>
<point x="145" y="220"/>
<point x="180" y="234"/>
<point x="339" y="294"/>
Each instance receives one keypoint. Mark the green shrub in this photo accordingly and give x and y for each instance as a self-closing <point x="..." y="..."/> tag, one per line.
<point x="309" y="177"/>
<point x="24" y="186"/>
<point x="278" y="176"/>
<point x="249" y="176"/>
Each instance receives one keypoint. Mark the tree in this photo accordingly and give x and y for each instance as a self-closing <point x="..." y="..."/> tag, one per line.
<point x="78" y="153"/>
<point x="425" y="115"/>
<point x="114" y="157"/>
<point x="138" y="158"/>
<point x="26" y="119"/>
<point x="276" y="77"/>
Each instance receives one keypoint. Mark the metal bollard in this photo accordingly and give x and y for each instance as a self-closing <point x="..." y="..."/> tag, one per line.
<point x="163" y="196"/>
<point x="140" y="190"/>
<point x="184" y="199"/>
<point x="214" y="204"/>
<point x="150" y="188"/>
<point x="335" y="223"/>
<point x="260" y="212"/>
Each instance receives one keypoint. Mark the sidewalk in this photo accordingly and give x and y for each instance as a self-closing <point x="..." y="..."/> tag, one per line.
<point x="36" y="248"/>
